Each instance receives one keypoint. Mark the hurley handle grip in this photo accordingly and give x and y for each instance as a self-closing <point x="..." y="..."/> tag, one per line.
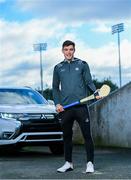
<point x="72" y="104"/>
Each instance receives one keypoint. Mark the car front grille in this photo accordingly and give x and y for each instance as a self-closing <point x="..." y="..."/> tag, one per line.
<point x="41" y="123"/>
<point x="40" y="137"/>
<point x="38" y="116"/>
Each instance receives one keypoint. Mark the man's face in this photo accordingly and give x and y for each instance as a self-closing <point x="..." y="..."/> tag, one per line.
<point x="68" y="52"/>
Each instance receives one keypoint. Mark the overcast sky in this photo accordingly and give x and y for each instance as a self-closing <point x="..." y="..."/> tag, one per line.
<point x="87" y="22"/>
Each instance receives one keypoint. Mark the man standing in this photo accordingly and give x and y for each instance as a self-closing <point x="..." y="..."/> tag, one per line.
<point x="71" y="82"/>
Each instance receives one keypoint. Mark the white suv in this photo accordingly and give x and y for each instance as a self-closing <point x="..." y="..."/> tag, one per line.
<point x="27" y="118"/>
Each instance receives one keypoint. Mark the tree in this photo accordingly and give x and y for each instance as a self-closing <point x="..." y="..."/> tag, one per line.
<point x="48" y="94"/>
<point x="107" y="81"/>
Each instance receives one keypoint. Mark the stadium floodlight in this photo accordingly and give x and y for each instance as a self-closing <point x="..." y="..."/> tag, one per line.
<point x="117" y="29"/>
<point x="40" y="47"/>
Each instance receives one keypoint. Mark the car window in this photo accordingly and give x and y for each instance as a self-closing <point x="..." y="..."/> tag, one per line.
<point x="21" y="96"/>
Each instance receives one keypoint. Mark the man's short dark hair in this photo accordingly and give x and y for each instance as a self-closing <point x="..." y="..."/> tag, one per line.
<point x="68" y="43"/>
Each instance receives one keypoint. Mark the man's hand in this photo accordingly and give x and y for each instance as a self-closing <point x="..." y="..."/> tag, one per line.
<point x="59" y="108"/>
<point x="96" y="94"/>
<point x="98" y="97"/>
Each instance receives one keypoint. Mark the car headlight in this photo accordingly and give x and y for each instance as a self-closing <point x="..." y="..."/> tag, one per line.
<point x="7" y="116"/>
<point x="11" y="116"/>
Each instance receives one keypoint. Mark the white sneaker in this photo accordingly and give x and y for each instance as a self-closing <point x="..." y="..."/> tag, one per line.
<point x="90" y="167"/>
<point x="66" y="167"/>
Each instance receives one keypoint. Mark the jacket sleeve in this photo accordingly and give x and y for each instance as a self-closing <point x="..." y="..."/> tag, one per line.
<point x="55" y="86"/>
<point x="88" y="79"/>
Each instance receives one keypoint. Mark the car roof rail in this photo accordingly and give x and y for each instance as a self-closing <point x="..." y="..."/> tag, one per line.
<point x="28" y="87"/>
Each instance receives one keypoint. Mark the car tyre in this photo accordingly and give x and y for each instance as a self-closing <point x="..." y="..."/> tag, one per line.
<point x="57" y="149"/>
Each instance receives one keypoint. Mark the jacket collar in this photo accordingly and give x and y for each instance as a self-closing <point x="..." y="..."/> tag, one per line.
<point x="73" y="59"/>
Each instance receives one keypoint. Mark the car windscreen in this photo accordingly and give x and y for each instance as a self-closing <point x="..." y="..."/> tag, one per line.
<point x="20" y="96"/>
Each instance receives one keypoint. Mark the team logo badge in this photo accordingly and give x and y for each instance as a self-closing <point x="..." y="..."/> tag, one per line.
<point x="77" y="69"/>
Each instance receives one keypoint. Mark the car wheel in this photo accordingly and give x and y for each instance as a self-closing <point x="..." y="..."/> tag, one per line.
<point x="57" y="149"/>
<point x="10" y="149"/>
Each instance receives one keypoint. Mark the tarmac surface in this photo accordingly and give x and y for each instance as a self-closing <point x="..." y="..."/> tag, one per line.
<point x="39" y="163"/>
